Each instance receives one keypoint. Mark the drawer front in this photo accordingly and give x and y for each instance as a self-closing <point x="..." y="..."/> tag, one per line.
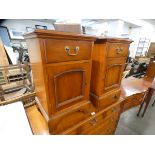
<point x="132" y="101"/>
<point x="61" y="122"/>
<point x="95" y="126"/>
<point x="68" y="84"/>
<point x="117" y="50"/>
<point x="97" y="123"/>
<point x="66" y="50"/>
<point x="108" y="99"/>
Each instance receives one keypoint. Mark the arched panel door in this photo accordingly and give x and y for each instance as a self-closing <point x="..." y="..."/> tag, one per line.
<point x="113" y="76"/>
<point x="68" y="84"/>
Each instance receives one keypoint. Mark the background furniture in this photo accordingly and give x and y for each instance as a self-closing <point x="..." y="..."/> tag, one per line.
<point x="133" y="90"/>
<point x="151" y="50"/>
<point x="143" y="46"/>
<point x="73" y="28"/>
<point x="147" y="98"/>
<point x="151" y="69"/>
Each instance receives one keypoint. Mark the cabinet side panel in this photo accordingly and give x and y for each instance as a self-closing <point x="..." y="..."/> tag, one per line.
<point x="38" y="70"/>
<point x="98" y="68"/>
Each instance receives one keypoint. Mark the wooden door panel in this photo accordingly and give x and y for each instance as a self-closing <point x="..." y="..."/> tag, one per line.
<point x="68" y="84"/>
<point x="71" y="92"/>
<point x="113" y="75"/>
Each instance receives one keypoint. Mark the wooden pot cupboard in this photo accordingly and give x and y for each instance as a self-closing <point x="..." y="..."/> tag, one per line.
<point x="77" y="82"/>
<point x="108" y="63"/>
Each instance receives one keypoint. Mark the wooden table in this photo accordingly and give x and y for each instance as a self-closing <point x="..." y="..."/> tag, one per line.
<point x="133" y="90"/>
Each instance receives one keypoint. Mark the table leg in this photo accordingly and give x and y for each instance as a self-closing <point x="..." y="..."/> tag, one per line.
<point x="143" y="101"/>
<point x="148" y="99"/>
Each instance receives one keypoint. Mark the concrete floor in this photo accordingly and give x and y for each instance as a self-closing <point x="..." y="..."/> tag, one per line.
<point x="130" y="124"/>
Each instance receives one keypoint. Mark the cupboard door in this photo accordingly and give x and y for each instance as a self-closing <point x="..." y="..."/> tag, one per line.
<point x="113" y="75"/>
<point x="68" y="84"/>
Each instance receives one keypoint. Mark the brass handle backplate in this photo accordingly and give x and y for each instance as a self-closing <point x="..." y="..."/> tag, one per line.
<point x="76" y="50"/>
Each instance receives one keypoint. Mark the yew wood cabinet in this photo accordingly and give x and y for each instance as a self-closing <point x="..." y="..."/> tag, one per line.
<point x="108" y="63"/>
<point x="61" y="65"/>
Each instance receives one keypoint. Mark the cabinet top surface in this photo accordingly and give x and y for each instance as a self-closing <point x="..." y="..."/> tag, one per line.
<point x="101" y="39"/>
<point x="68" y="35"/>
<point x="58" y="34"/>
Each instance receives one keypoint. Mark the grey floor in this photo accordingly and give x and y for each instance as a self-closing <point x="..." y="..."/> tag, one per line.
<point x="130" y="124"/>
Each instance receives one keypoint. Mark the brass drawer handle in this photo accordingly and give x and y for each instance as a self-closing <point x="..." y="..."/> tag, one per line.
<point x="118" y="50"/>
<point x="76" y="49"/>
<point x="93" y="121"/>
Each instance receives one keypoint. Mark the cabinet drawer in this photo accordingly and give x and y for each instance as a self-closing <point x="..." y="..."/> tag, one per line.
<point x="108" y="99"/>
<point x="117" y="50"/>
<point x="132" y="101"/>
<point x="70" y="117"/>
<point x="66" y="50"/>
<point x="96" y="124"/>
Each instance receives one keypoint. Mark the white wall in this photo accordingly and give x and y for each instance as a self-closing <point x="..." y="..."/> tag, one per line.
<point x="21" y="24"/>
<point x="147" y="30"/>
<point x="116" y="28"/>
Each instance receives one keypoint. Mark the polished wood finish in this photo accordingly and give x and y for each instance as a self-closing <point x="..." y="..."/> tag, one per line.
<point x="109" y="57"/>
<point x="133" y="91"/>
<point x="55" y="50"/>
<point x="147" y="99"/>
<point x="68" y="83"/>
<point x="132" y="85"/>
<point x="151" y="69"/>
<point x="105" y="100"/>
<point x="133" y="101"/>
<point x="103" y="122"/>
<point x="61" y="66"/>
<point x="37" y="122"/>
<point x="68" y="118"/>
<point x="113" y="74"/>
<point x="117" y="50"/>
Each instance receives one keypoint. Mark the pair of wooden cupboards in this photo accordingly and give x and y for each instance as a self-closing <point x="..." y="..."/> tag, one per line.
<point x="77" y="80"/>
